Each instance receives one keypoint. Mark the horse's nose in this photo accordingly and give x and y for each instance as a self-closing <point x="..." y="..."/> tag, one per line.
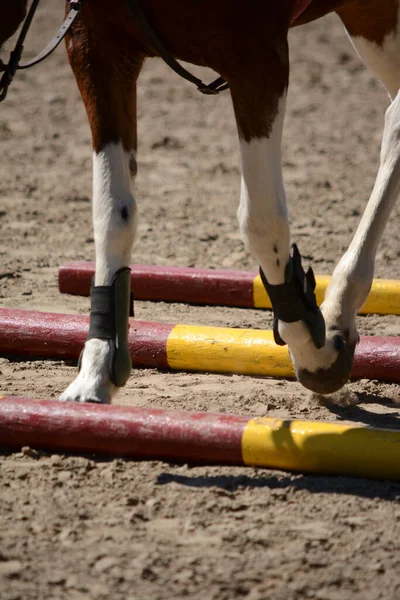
<point x="332" y="379"/>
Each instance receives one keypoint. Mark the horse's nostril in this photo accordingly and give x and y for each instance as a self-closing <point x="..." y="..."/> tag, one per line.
<point x="337" y="342"/>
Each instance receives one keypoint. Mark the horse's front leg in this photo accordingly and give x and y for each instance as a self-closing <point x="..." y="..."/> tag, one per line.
<point x="352" y="277"/>
<point x="105" y="363"/>
<point x="108" y="89"/>
<point x="322" y="362"/>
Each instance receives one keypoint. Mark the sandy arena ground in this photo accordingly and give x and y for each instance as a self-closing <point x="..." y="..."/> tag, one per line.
<point x="75" y="528"/>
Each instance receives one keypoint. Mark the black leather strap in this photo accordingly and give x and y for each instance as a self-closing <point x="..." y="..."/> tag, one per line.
<point x="159" y="48"/>
<point x="57" y="39"/>
<point x="13" y="63"/>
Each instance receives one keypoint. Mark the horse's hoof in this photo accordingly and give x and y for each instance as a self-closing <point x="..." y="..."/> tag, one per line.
<point x="332" y="379"/>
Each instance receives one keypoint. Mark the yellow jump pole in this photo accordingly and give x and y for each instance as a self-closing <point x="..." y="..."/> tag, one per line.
<point x="310" y="446"/>
<point x="384" y="297"/>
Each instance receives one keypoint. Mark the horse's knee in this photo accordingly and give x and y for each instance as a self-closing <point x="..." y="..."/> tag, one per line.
<point x="254" y="232"/>
<point x="390" y="148"/>
<point x="114" y="205"/>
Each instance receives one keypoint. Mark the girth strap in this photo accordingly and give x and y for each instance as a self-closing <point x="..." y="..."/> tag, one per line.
<point x="295" y="300"/>
<point x="158" y="46"/>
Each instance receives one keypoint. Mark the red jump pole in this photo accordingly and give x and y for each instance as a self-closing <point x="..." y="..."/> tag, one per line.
<point x="170" y="284"/>
<point x="121" y="430"/>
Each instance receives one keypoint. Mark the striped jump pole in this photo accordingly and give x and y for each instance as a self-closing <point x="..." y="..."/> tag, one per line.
<point x="144" y="433"/>
<point x="216" y="287"/>
<point x="183" y="347"/>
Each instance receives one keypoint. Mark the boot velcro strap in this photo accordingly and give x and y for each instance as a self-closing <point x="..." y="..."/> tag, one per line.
<point x="102" y="310"/>
<point x="294" y="300"/>
<point x="286" y="299"/>
<point x="102" y="313"/>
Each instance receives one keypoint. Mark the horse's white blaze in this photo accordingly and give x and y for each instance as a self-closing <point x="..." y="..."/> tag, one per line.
<point x="262" y="212"/>
<point x="384" y="59"/>
<point x="112" y="201"/>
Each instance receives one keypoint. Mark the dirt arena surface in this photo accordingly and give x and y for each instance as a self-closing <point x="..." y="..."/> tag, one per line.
<point x="79" y="528"/>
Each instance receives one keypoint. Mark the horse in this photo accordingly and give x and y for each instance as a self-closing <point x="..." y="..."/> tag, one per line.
<point x="247" y="44"/>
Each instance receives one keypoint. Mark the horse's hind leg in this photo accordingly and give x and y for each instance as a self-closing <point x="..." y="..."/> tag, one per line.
<point x="352" y="277"/>
<point x="106" y="76"/>
<point x="373" y="28"/>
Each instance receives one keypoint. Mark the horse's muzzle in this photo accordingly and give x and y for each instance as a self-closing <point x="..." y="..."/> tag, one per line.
<point x="332" y="379"/>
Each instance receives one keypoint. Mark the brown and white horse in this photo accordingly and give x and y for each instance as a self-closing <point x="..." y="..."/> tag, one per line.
<point x="247" y="44"/>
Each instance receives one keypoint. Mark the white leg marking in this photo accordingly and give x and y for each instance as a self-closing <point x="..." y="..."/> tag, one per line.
<point x="115" y="220"/>
<point x="262" y="211"/>
<point x="114" y="211"/>
<point x="92" y="382"/>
